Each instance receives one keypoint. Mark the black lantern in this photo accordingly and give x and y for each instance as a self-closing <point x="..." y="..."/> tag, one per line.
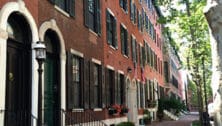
<point x="40" y="55"/>
<point x="40" y="51"/>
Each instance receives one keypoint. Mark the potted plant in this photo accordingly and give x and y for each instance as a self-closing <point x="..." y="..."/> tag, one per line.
<point x="114" y="109"/>
<point x="124" y="109"/>
<point x="147" y="117"/>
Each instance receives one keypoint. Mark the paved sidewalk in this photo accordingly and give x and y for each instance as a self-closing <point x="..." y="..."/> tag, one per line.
<point x="185" y="120"/>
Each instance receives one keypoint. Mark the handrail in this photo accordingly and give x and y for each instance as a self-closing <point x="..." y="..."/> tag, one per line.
<point x="81" y="117"/>
<point x="18" y="117"/>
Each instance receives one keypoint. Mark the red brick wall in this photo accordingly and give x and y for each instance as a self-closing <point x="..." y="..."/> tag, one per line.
<point x="32" y="6"/>
<point x="75" y="34"/>
<point x="114" y="57"/>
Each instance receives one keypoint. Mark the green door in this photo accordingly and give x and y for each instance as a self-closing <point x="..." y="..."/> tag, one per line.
<point x="51" y="91"/>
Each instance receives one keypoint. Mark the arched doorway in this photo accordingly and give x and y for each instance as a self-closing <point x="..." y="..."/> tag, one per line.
<point x="18" y="72"/>
<point x="51" y="101"/>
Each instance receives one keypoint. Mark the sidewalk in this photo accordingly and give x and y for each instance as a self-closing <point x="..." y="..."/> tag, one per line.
<point x="184" y="120"/>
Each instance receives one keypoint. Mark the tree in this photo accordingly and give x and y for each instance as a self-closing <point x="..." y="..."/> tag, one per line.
<point x="213" y="15"/>
<point x="186" y="23"/>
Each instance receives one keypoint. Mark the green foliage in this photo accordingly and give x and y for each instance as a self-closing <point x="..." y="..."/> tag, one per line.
<point x="146" y="114"/>
<point x="171" y="104"/>
<point x="125" y="124"/>
<point x="187" y="30"/>
<point x="196" y="123"/>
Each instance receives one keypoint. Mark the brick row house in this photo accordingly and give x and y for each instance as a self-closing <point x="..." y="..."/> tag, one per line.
<point x="100" y="54"/>
<point x="174" y="76"/>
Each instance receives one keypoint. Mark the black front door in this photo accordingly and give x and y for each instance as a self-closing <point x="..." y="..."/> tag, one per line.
<point x="18" y="84"/>
<point x="51" y="91"/>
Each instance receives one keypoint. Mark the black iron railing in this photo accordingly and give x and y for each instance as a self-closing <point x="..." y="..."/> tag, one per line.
<point x="61" y="117"/>
<point x="80" y="118"/>
<point x="18" y="118"/>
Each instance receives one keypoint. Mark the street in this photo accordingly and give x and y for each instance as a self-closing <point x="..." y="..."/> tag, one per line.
<point x="185" y="120"/>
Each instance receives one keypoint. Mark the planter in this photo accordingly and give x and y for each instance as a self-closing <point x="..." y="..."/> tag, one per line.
<point x="160" y="116"/>
<point x="147" y="121"/>
<point x="112" y="111"/>
<point x="124" y="110"/>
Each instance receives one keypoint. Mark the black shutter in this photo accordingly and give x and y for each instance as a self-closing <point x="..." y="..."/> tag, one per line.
<point x="127" y="43"/>
<point x="69" y="80"/>
<point x="71" y="7"/>
<point x="131" y="10"/>
<point x="86" y="84"/>
<point x="91" y="89"/>
<point x="132" y="48"/>
<point x="98" y="17"/>
<point x="123" y="83"/>
<point x="86" y="13"/>
<point x="146" y="94"/>
<point x="134" y="11"/>
<point x="115" y="33"/>
<point x="108" y="23"/>
<point x="116" y="93"/>
<point x="107" y="91"/>
<point x="122" y="39"/>
<point x="136" y="51"/>
<point x="103" y="87"/>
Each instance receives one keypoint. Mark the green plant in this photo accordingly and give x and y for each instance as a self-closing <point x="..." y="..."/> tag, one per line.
<point x="147" y="117"/>
<point x="125" y="124"/>
<point x="196" y="123"/>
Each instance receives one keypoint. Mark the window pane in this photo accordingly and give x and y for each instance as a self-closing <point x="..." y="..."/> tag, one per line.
<point x="76" y="82"/>
<point x="91" y="5"/>
<point x="96" y="85"/>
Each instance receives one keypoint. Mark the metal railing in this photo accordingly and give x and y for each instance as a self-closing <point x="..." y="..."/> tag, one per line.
<point x="80" y="118"/>
<point x="18" y="118"/>
<point x="67" y="118"/>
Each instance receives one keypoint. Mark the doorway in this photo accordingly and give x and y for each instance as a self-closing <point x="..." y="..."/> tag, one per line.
<point x="18" y="72"/>
<point x="51" y="105"/>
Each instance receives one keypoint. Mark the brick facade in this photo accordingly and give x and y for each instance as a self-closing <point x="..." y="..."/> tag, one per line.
<point x="74" y="38"/>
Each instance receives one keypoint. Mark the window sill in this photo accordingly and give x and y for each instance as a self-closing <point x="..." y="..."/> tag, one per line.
<point x="97" y="109"/>
<point x="125" y="56"/>
<point x="78" y="110"/>
<point x="61" y="11"/>
<point x="90" y="30"/>
<point x="113" y="47"/>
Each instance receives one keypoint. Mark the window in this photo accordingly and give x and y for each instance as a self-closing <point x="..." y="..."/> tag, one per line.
<point x="141" y="95"/>
<point x="149" y="4"/>
<point x="132" y="11"/>
<point x="96" y="85"/>
<point x="111" y="30"/>
<point x="92" y="15"/>
<point x="74" y="87"/>
<point x="146" y="94"/>
<point x="124" y="41"/>
<point x="150" y="90"/>
<point x="144" y="56"/>
<point x="134" y="49"/>
<point x="120" y="89"/>
<point x="138" y="94"/>
<point x="110" y="77"/>
<point x="143" y="20"/>
<point x="66" y="5"/>
<point x="141" y="55"/>
<point x="123" y="4"/>
<point x="138" y="20"/>
<point x="147" y="23"/>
